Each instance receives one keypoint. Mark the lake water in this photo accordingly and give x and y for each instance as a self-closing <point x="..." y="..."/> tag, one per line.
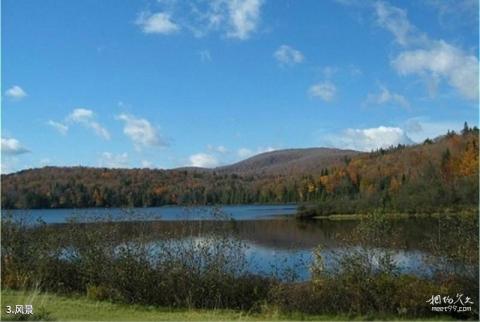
<point x="167" y="213"/>
<point x="274" y="239"/>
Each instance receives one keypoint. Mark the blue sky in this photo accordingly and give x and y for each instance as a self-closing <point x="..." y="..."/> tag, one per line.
<point x="168" y="83"/>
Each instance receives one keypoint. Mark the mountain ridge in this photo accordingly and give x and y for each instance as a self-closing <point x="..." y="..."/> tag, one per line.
<point x="278" y="159"/>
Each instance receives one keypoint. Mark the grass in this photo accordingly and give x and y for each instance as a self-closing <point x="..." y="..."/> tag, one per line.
<point x="62" y="308"/>
<point x="82" y="309"/>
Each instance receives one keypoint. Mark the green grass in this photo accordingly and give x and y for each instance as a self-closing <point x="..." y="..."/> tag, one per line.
<point x="78" y="308"/>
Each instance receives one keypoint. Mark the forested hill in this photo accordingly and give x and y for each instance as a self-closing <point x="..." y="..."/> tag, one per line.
<point x="283" y="162"/>
<point x="289" y="162"/>
<point x="248" y="181"/>
<point x="437" y="173"/>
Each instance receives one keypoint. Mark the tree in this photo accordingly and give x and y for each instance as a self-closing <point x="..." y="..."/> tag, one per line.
<point x="465" y="130"/>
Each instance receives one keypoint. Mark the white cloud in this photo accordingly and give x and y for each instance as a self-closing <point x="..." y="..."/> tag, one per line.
<point x="433" y="60"/>
<point x="244" y="17"/>
<point x="244" y="153"/>
<point x="15" y="93"/>
<point x="235" y="18"/>
<point x="370" y="139"/>
<point x="141" y="132"/>
<point x="86" y="118"/>
<point x="326" y="91"/>
<point x="387" y="97"/>
<point x="442" y="61"/>
<point x="159" y="23"/>
<point x="11" y="146"/>
<point x="218" y="149"/>
<point x="146" y="164"/>
<point x="395" y="20"/>
<point x="110" y="160"/>
<point x="203" y="160"/>
<point x="81" y="115"/>
<point x="60" y="127"/>
<point x="99" y="130"/>
<point x="287" y="55"/>
<point x="265" y="149"/>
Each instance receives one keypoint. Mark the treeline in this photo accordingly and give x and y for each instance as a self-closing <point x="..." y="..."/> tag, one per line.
<point x="82" y="187"/>
<point x="436" y="174"/>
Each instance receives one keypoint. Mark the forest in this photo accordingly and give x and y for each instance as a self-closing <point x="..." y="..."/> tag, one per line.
<point x="438" y="174"/>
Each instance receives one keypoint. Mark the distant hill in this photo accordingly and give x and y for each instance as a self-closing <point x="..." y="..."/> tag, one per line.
<point x="289" y="162"/>
<point x="242" y="182"/>
<point x="283" y="162"/>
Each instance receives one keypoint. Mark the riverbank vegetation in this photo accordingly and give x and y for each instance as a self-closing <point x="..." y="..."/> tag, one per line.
<point x="125" y="264"/>
<point x="430" y="177"/>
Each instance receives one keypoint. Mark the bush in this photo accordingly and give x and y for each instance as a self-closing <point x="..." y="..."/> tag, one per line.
<point x="129" y="263"/>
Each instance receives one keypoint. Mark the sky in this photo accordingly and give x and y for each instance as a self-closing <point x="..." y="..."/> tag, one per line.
<point x="165" y="84"/>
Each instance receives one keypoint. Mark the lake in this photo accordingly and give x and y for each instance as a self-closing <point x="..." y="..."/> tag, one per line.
<point x="274" y="240"/>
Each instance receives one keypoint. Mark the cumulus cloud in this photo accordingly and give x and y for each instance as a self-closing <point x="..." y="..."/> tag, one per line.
<point x="60" y="127"/>
<point x="326" y="91"/>
<point x="203" y="160"/>
<point x="235" y="18"/>
<point x="432" y="60"/>
<point x="80" y="115"/>
<point x="15" y="93"/>
<point x="110" y="160"/>
<point x="86" y="118"/>
<point x="11" y="146"/>
<point x="442" y="61"/>
<point x="141" y="132"/>
<point x="287" y="55"/>
<point x="244" y="17"/>
<point x="370" y="139"/>
<point x="157" y="23"/>
<point x="387" y="97"/>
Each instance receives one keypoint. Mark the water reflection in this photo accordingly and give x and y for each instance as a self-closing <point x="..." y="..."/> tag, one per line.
<point x="275" y="243"/>
<point x="281" y="246"/>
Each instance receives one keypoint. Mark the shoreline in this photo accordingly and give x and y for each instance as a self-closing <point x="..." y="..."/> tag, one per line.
<point x="390" y="215"/>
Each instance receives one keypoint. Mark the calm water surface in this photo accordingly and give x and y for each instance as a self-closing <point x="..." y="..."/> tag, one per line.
<point x="274" y="239"/>
<point x="167" y="213"/>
